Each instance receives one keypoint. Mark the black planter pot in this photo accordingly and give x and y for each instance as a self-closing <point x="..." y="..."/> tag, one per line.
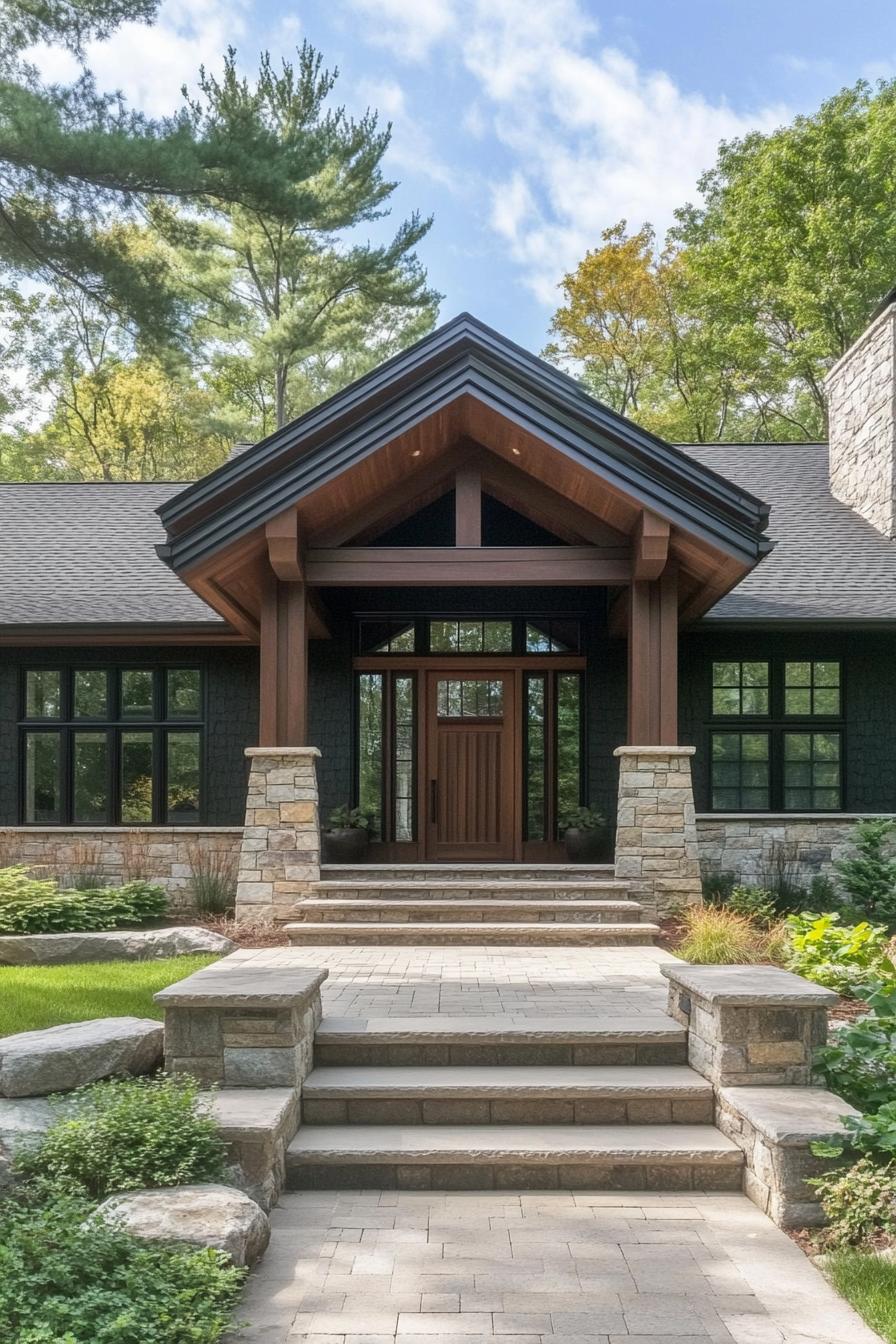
<point x="583" y="846"/>
<point x="347" y="844"/>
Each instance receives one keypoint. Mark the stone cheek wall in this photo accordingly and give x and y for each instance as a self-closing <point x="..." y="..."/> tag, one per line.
<point x="860" y="390"/>
<point x="750" y="847"/>
<point x="163" y="854"/>
<point x="280" y="851"/>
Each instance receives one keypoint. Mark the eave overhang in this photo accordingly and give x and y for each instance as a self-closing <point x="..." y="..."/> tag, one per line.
<point x="463" y="359"/>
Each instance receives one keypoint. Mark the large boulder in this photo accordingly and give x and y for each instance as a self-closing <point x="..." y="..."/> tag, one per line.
<point x="58" y="1059"/>
<point x="50" y="949"/>
<point x="22" y="1122"/>
<point x="199" y="1215"/>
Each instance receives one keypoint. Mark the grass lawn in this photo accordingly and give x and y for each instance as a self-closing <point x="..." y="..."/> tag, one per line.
<point x="44" y="996"/>
<point x="870" y="1285"/>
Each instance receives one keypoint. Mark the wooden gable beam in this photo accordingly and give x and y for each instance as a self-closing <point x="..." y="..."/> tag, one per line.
<point x="650" y="546"/>
<point x="284" y="550"/>
<point x="468" y="506"/>
<point x="447" y="566"/>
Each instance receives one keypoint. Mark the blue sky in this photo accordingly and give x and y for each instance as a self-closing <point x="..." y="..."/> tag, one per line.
<point x="527" y="126"/>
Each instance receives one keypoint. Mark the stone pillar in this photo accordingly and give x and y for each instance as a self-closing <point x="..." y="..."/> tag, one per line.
<point x="280" y="851"/>
<point x="656" y="831"/>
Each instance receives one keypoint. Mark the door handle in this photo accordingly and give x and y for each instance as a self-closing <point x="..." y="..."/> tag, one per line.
<point x="433" y="799"/>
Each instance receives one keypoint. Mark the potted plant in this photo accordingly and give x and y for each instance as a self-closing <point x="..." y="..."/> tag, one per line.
<point x="583" y="834"/>
<point x="345" y="838"/>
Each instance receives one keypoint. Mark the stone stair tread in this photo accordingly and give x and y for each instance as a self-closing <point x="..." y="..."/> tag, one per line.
<point x="653" y="1028"/>
<point x="472" y="884"/>
<point x="502" y="871"/>
<point x="550" y="1144"/>
<point x="509" y="1081"/>
<point x="434" y="933"/>
<point x="459" y="903"/>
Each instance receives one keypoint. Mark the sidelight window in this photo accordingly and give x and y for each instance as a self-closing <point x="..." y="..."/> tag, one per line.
<point x="553" y="737"/>
<point x="99" y="746"/>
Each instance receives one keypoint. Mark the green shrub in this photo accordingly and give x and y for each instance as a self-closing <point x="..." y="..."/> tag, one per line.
<point x="753" y="903"/>
<point x="844" y="957"/>
<point x="717" y="885"/>
<point x="715" y="935"/>
<point x="17" y="884"/>
<point x="40" y="907"/>
<point x="64" y="1280"/>
<point x="859" y="1061"/>
<point x="128" y="1135"/>
<point x="873" y="1134"/>
<point x="868" y="877"/>
<point x="860" y="1203"/>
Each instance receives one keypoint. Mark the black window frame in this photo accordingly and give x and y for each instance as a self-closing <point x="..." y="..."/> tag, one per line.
<point x="421" y="649"/>
<point x="551" y="749"/>
<point x="112" y="726"/>
<point x="777" y="723"/>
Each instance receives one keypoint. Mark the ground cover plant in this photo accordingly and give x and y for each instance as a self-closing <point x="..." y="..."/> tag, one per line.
<point x="32" y="997"/>
<point x="69" y="1278"/>
<point x="843" y="957"/>
<point x="38" y="905"/>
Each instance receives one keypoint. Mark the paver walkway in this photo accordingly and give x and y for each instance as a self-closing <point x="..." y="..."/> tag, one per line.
<point x="374" y="1267"/>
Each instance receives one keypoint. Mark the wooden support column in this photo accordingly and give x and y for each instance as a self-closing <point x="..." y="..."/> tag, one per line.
<point x="283" y="706"/>
<point x="653" y="661"/>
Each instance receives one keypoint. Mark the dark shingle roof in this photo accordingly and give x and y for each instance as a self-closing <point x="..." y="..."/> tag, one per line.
<point x="828" y="564"/>
<point x="78" y="554"/>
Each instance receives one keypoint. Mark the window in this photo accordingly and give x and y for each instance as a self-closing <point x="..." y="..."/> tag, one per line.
<point x="370" y="750"/>
<point x="387" y="636"/>
<point x="106" y="746"/>
<point x="552" y="636"/>
<point x="470" y="636"/>
<point x="811" y="772"/>
<point x="553" y="738"/>
<point x="811" y="689"/>
<point x="470" y="699"/>
<point x="739" y="769"/>
<point x="787" y="762"/>
<point x="740" y="688"/>
<point x="385" y="747"/>
<point x="404" y="772"/>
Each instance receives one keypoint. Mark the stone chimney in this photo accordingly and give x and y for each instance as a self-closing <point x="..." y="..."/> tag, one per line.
<point x="861" y="392"/>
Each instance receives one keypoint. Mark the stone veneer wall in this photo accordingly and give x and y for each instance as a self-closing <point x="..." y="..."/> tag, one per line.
<point x="656" y="834"/>
<point x="162" y="854"/>
<point x="280" y="850"/>
<point x="749" y="845"/>
<point x="861" y="392"/>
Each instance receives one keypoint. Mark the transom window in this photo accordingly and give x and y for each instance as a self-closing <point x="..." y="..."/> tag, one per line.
<point x="105" y="746"/>
<point x="778" y="763"/>
<point x="468" y="635"/>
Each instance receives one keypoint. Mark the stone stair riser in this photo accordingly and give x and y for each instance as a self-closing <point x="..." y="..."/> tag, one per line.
<point x="496" y="1054"/>
<point x="420" y="892"/>
<point x="516" y="1111"/>
<point x="327" y="913"/>
<point x="629" y="1176"/>
<point x="433" y="873"/>
<point x="494" y="935"/>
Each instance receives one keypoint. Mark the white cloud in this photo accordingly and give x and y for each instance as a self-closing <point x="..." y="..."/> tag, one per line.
<point x="411" y="148"/>
<point x="149" y="64"/>
<point x="592" y="136"/>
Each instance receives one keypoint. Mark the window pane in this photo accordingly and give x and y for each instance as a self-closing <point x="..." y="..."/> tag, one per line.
<point x="754" y="701"/>
<point x="182" y="801"/>
<point x="402" y="640"/>
<point x="136" y="777"/>
<point x="469" y="699"/>
<point x="92" y="694"/>
<point x="403" y="714"/>
<point x="537" y="639"/>
<point x="497" y="637"/>
<point x="535" y="758"/>
<point x="552" y="636"/>
<point x="469" y="636"/>
<point x="739" y="769"/>
<point x="726" y="700"/>
<point x="569" y="742"/>
<point x="726" y="674"/>
<point x="827" y="674"/>
<point x="42" y="778"/>
<point x="370" y="750"/>
<point x="797" y="674"/>
<point x="797" y="702"/>
<point x="740" y="688"/>
<point x="90" y="771"/>
<point x="43" y="694"/>
<point x="136" y="694"/>
<point x="826" y="700"/>
<point x="183" y="695"/>
<point x="812" y="771"/>
<point x="443" y="636"/>
<point x="812" y="688"/>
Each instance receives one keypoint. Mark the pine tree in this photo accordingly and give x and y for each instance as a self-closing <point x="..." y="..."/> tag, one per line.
<point x="869" y="876"/>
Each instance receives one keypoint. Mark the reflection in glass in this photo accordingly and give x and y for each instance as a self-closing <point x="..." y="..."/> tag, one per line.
<point x="91" y="694"/>
<point x="370" y="750"/>
<point x="136" y="777"/>
<point x="535" y="758"/>
<point x="42" y="778"/>
<point x="183" y="691"/>
<point x="569" y="742"/>
<point x="90" y="797"/>
<point x="473" y="699"/>
<point x="43" y="694"/>
<point x="182" y="762"/>
<point x="403" y="721"/>
<point x="136" y="694"/>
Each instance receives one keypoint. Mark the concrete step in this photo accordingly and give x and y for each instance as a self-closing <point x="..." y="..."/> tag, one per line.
<point x="493" y="935"/>
<point x="441" y="1040"/>
<point x="479" y="889"/>
<point x="513" y="1157"/>
<point x="512" y="1095"/>
<point x="493" y="910"/>
<point x="467" y="872"/>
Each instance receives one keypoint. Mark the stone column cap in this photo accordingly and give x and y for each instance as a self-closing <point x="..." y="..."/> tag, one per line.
<point x="748" y="986"/>
<point x="654" y="751"/>
<point x="282" y="751"/>
<point x="239" y="981"/>
<point x="791" y="1117"/>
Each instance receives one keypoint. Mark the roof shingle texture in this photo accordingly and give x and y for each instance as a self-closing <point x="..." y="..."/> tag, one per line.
<point x="828" y="564"/>
<point x="84" y="553"/>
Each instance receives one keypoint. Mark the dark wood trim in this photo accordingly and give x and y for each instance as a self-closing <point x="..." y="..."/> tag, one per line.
<point x="284" y="546"/>
<point x="25" y="636"/>
<point x="283" y="682"/>
<point x="507" y="566"/>
<point x="650" y="546"/>
<point x="468" y="662"/>
<point x="468" y="506"/>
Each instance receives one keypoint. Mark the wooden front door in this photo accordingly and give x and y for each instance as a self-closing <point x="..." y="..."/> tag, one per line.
<point x="472" y="766"/>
